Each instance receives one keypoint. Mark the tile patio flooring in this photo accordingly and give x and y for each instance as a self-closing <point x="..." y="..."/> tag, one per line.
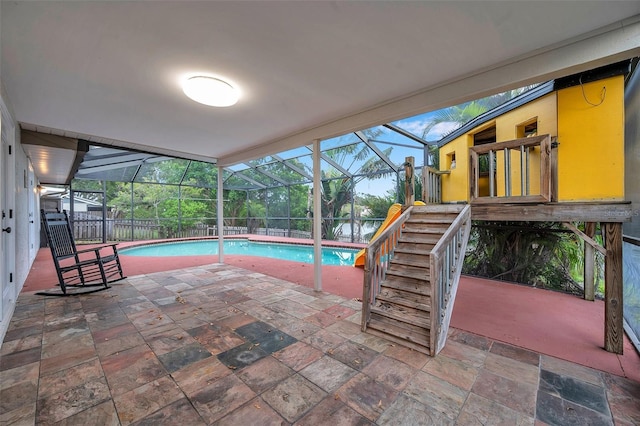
<point x="222" y="345"/>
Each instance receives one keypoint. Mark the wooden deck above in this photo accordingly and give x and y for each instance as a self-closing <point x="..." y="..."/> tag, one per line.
<point x="614" y="211"/>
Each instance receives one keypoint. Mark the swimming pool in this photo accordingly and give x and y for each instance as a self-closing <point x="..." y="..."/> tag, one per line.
<point x="293" y="252"/>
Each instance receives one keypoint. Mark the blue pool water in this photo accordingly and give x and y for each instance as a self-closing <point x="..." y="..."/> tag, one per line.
<point x="294" y="252"/>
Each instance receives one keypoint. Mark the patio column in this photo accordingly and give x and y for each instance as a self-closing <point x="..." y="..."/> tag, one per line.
<point x="317" y="218"/>
<point x="132" y="217"/>
<point x="220" y="217"/>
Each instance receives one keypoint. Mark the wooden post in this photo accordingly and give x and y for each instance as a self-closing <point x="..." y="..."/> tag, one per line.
<point x="589" y="263"/>
<point x="426" y="180"/>
<point x="613" y="324"/>
<point x="409" y="182"/>
<point x="554" y="170"/>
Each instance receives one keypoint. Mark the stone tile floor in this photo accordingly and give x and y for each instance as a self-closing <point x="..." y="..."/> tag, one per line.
<point x="222" y="345"/>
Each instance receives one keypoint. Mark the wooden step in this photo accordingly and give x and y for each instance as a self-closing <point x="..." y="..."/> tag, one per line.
<point x="420" y="228"/>
<point x="439" y="208"/>
<point x="401" y="314"/>
<point x="401" y="342"/>
<point x="410" y="285"/>
<point x="413" y="248"/>
<point x="416" y="238"/>
<point x="441" y="225"/>
<point x="402" y="329"/>
<point x="436" y="219"/>
<point x="414" y="272"/>
<point x="411" y="259"/>
<point x="399" y="297"/>
<point x="416" y="335"/>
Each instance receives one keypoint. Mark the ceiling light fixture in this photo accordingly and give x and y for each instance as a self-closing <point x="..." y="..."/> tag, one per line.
<point x="210" y="91"/>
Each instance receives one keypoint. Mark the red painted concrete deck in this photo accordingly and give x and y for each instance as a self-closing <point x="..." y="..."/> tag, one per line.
<point x="547" y="322"/>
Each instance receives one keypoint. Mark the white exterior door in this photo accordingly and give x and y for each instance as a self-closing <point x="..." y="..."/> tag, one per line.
<point x="8" y="280"/>
<point x="34" y="218"/>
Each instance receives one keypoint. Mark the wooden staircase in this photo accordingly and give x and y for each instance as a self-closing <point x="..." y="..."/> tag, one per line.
<point x="401" y="309"/>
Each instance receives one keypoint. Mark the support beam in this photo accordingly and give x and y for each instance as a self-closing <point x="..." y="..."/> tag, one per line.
<point x="587" y="238"/>
<point x="589" y="263"/>
<point x="613" y="320"/>
<point x="317" y="218"/>
<point x="615" y="211"/>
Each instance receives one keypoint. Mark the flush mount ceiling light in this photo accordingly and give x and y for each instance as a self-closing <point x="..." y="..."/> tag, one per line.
<point x="211" y="91"/>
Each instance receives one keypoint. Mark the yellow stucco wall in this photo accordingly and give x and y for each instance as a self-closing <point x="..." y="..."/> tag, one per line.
<point x="455" y="185"/>
<point x="591" y="151"/>
<point x="590" y="154"/>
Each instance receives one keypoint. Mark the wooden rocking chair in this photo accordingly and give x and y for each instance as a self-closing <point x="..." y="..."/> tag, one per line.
<point x="93" y="267"/>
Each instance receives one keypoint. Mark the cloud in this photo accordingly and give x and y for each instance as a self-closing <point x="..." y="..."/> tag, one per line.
<point x="441" y="129"/>
<point x="436" y="133"/>
<point x="414" y="126"/>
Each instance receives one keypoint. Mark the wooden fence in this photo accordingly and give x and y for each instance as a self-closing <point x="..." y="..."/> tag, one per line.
<point x="88" y="227"/>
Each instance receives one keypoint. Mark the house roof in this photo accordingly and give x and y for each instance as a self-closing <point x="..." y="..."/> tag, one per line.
<point x="109" y="72"/>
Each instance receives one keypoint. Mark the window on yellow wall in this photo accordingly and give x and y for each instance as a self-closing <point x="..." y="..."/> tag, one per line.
<point x="485" y="136"/>
<point x="451" y="160"/>
<point x="527" y="129"/>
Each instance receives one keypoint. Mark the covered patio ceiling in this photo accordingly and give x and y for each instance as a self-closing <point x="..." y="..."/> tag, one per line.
<point x="110" y="72"/>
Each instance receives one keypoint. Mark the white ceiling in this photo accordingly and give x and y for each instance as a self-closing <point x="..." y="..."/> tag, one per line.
<point x="110" y="71"/>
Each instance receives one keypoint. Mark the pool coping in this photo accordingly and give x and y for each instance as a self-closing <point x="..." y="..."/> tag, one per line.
<point x="249" y="237"/>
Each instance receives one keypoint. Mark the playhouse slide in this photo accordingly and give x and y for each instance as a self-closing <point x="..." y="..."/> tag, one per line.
<point x="394" y="213"/>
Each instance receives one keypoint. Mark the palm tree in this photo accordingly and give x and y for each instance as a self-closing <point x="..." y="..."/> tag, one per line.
<point x="459" y="115"/>
<point x="338" y="190"/>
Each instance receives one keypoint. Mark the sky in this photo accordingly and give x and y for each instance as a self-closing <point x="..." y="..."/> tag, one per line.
<point x="417" y="124"/>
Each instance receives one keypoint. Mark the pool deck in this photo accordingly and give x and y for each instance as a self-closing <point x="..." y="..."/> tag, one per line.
<point x="340" y="280"/>
<point x="516" y="355"/>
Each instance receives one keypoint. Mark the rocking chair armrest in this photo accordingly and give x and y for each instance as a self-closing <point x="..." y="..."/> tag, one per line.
<point x="84" y="262"/>
<point x="97" y="249"/>
<point x="113" y="247"/>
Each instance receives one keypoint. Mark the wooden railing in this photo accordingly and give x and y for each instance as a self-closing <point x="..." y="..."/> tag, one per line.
<point x="378" y="256"/>
<point x="517" y="183"/>
<point x="446" y="260"/>
<point x="432" y="185"/>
